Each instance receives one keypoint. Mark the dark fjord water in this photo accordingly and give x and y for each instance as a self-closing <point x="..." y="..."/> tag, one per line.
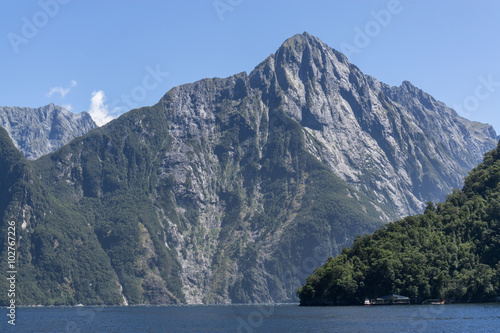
<point x="262" y="318"/>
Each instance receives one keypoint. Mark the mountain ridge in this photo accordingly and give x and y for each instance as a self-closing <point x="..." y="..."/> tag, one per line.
<point x="39" y="131"/>
<point x="226" y="189"/>
<point x="340" y="80"/>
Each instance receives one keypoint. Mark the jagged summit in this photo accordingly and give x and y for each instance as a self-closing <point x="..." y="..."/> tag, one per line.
<point x="348" y="112"/>
<point x="39" y="131"/>
<point x="306" y="38"/>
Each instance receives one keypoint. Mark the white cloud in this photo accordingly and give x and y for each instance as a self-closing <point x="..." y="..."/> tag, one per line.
<point x="61" y="90"/>
<point x="99" y="111"/>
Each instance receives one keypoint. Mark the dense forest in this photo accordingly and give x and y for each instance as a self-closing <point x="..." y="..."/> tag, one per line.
<point x="451" y="251"/>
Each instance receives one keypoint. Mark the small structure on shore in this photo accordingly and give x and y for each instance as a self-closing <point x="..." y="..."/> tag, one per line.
<point x="390" y="300"/>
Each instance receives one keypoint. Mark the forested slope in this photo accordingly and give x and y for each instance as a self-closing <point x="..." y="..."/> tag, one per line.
<point x="452" y="251"/>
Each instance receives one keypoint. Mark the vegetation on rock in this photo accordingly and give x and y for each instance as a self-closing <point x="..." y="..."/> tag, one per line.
<point x="451" y="251"/>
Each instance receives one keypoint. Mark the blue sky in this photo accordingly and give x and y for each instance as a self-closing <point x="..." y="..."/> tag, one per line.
<point x="110" y="56"/>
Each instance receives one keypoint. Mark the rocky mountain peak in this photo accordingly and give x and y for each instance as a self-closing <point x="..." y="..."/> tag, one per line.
<point x="345" y="113"/>
<point x="398" y="145"/>
<point x="39" y="131"/>
<point x="308" y="46"/>
<point x="408" y="87"/>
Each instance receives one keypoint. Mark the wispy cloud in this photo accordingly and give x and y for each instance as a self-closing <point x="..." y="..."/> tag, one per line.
<point x="62" y="91"/>
<point x="68" y="107"/>
<point x="99" y="111"/>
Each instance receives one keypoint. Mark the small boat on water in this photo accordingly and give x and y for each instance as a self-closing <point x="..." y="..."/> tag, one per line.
<point x="367" y="302"/>
<point x="438" y="302"/>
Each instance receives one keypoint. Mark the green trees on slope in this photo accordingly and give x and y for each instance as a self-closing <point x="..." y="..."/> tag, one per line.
<point x="451" y="251"/>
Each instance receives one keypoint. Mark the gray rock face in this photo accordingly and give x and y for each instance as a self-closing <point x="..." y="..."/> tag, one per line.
<point x="36" y="132"/>
<point x="398" y="145"/>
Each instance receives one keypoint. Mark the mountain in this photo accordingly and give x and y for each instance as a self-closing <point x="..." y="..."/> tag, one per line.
<point x="37" y="132"/>
<point x="451" y="252"/>
<point x="398" y="145"/>
<point x="42" y="225"/>
<point x="233" y="190"/>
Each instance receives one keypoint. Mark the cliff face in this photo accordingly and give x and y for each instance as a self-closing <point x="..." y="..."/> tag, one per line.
<point x="398" y="145"/>
<point x="209" y="196"/>
<point x="234" y="190"/>
<point x="37" y="132"/>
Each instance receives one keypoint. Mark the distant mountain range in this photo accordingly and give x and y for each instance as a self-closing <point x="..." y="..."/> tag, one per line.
<point x="231" y="190"/>
<point x="37" y="132"/>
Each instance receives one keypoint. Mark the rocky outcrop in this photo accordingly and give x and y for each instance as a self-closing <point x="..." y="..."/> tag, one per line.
<point x="37" y="132"/>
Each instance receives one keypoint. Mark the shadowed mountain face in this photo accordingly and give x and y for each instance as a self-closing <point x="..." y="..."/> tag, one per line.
<point x="37" y="132"/>
<point x="234" y="190"/>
